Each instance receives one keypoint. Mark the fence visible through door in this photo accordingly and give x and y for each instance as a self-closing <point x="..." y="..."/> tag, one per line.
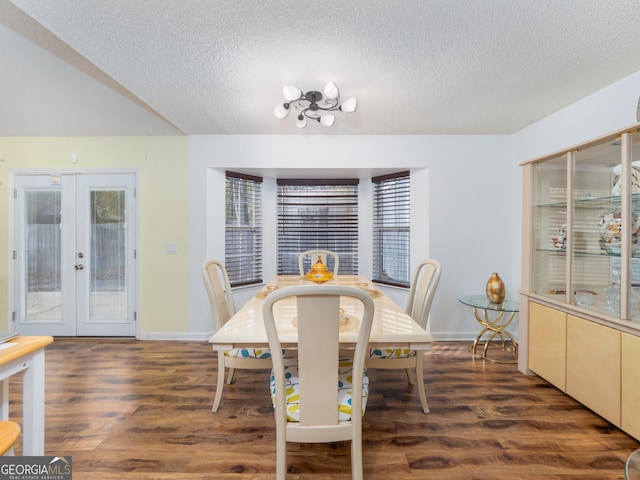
<point x="74" y="256"/>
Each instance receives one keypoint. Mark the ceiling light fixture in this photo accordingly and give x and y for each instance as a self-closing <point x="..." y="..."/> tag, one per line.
<point x="314" y="105"/>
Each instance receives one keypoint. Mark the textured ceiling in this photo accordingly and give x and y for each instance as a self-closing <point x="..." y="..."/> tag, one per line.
<point x="152" y="67"/>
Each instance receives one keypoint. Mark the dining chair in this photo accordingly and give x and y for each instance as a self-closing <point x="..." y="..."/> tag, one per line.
<point x="216" y="282"/>
<point x="423" y="289"/>
<point x="325" y="256"/>
<point x="9" y="433"/>
<point x="321" y="396"/>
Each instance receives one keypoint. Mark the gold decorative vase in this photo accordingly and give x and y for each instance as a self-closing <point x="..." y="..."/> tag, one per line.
<point x="495" y="289"/>
<point x="319" y="272"/>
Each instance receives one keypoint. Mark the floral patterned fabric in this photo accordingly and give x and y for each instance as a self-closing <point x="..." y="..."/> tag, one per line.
<point x="292" y="384"/>
<point x="391" y="353"/>
<point x="248" y="353"/>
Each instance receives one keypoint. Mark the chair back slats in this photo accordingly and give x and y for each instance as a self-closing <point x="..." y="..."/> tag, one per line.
<point x="218" y="289"/>
<point x="423" y="289"/>
<point x="328" y="257"/>
<point x="318" y="359"/>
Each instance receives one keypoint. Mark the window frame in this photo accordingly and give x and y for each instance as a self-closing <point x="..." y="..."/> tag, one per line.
<point x="244" y="266"/>
<point x="337" y="231"/>
<point x="391" y="217"/>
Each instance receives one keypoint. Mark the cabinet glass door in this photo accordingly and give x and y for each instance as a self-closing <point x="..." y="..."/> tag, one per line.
<point x="550" y="228"/>
<point x="634" y="299"/>
<point x="597" y="226"/>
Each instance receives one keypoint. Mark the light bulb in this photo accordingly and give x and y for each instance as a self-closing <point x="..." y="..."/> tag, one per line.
<point x="291" y="93"/>
<point x="349" y="105"/>
<point x="327" y="120"/>
<point x="331" y="91"/>
<point x="301" y="121"/>
<point x="281" y="112"/>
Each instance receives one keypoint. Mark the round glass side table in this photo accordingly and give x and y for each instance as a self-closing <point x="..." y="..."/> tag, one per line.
<point x="632" y="467"/>
<point x="504" y="313"/>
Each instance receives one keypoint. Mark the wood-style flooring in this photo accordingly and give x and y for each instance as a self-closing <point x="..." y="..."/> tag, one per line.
<point x="142" y="410"/>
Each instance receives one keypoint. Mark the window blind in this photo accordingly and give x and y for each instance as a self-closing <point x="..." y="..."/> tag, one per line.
<point x="391" y="229"/>
<point x="243" y="229"/>
<point x="317" y="214"/>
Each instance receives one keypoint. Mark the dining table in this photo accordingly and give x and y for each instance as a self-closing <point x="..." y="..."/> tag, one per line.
<point x="391" y="327"/>
<point x="25" y="354"/>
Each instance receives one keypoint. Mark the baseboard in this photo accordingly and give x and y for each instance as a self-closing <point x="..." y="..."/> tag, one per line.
<point x="462" y="337"/>
<point x="176" y="336"/>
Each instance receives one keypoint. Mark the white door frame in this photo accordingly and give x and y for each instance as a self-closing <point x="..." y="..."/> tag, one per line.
<point x="12" y="235"/>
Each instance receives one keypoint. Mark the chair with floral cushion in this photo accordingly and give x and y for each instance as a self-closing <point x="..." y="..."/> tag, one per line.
<point x="423" y="289"/>
<point x="329" y="258"/>
<point x="320" y="396"/>
<point x="216" y="282"/>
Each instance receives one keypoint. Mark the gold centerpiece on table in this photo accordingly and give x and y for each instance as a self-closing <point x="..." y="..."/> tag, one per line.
<point x="319" y="272"/>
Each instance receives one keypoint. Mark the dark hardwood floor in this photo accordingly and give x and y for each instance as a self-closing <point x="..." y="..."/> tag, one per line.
<point x="142" y="410"/>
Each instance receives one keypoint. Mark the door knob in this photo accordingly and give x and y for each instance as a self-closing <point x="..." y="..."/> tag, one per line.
<point x="79" y="267"/>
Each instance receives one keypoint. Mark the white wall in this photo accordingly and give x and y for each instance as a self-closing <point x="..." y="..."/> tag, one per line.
<point x="467" y="216"/>
<point x="461" y="190"/>
<point x="607" y="110"/>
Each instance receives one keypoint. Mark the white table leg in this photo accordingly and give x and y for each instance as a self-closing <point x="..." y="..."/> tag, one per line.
<point x="33" y="406"/>
<point x="4" y="399"/>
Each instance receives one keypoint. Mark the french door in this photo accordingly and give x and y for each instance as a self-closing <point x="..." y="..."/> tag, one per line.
<point x="74" y="254"/>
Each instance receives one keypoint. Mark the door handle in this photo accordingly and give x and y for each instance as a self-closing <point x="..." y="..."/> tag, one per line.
<point x="79" y="267"/>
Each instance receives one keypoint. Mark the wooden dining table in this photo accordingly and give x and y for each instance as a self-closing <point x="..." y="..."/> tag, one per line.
<point x="26" y="354"/>
<point x="392" y="327"/>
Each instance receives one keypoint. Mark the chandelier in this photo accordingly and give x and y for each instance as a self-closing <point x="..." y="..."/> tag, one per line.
<point x="314" y="105"/>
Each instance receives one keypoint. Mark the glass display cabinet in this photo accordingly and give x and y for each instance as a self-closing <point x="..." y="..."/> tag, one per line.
<point x="585" y="227"/>
<point x="579" y="323"/>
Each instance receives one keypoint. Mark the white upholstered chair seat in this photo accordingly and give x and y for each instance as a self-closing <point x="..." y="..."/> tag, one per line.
<point x="345" y="393"/>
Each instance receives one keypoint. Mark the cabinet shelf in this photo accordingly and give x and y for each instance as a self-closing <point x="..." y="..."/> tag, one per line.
<point x="605" y="200"/>
<point x="554" y="205"/>
<point x="561" y="251"/>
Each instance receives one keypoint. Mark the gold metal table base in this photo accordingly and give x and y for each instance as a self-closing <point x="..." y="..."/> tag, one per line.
<point x="494" y="328"/>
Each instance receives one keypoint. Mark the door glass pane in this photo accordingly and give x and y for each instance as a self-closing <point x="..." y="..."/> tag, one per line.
<point x="108" y="292"/>
<point x="42" y="255"/>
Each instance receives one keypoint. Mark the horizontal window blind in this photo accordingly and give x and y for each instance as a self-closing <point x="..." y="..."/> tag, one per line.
<point x="317" y="214"/>
<point x="243" y="229"/>
<point x="391" y="229"/>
